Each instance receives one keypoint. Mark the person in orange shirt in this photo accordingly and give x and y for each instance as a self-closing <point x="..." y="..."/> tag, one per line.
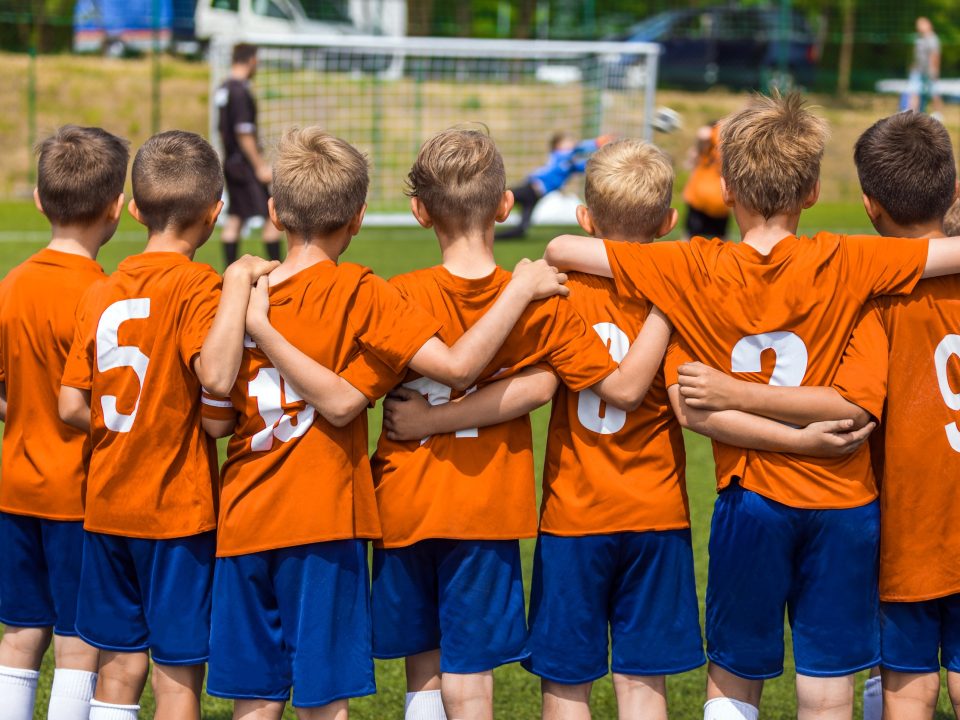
<point x="292" y="550"/>
<point x="707" y="213"/>
<point x="80" y="176"/>
<point x="799" y="298"/>
<point x="904" y="345"/>
<point x="145" y="339"/>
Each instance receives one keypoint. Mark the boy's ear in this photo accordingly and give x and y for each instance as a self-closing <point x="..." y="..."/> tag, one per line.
<point x="116" y="210"/>
<point x="873" y="208"/>
<point x="214" y="213"/>
<point x="812" y="198"/>
<point x="272" y="212"/>
<point x="419" y="211"/>
<point x="728" y="199"/>
<point x="357" y="221"/>
<point x="585" y="220"/>
<point x="135" y="211"/>
<point x="505" y="206"/>
<point x="36" y="200"/>
<point x="956" y="191"/>
<point x="668" y="223"/>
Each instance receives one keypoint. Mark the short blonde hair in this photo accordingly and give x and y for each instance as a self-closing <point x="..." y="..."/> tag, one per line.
<point x="951" y="221"/>
<point x="629" y="185"/>
<point x="319" y="182"/>
<point x="770" y="153"/>
<point x="459" y="177"/>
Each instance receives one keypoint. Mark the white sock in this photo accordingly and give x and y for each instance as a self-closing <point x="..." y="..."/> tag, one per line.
<point x="106" y="711"/>
<point x="71" y="694"/>
<point x="872" y="699"/>
<point x="18" y="689"/>
<point x="424" y="705"/>
<point x="725" y="709"/>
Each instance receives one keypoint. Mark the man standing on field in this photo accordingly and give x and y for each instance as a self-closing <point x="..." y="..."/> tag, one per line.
<point x="246" y="171"/>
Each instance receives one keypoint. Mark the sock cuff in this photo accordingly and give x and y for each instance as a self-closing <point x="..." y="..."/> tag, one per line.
<point x="424" y="705"/>
<point x="873" y="685"/>
<point x="19" y="677"/>
<point x="107" y="711"/>
<point x="729" y="709"/>
<point x="75" y="684"/>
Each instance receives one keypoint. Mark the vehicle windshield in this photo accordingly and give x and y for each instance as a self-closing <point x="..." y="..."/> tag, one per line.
<point x="326" y="10"/>
<point x="651" y="28"/>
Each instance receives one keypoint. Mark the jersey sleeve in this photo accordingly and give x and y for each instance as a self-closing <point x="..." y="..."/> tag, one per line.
<point x="241" y="111"/>
<point x="199" y="311"/>
<point x="217" y="408"/>
<point x="862" y="376"/>
<point x="885" y="266"/>
<point x="78" y="370"/>
<point x="371" y="376"/>
<point x="659" y="272"/>
<point x="574" y="350"/>
<point x="678" y="353"/>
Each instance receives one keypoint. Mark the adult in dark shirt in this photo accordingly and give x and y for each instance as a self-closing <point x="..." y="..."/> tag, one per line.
<point x="246" y="171"/>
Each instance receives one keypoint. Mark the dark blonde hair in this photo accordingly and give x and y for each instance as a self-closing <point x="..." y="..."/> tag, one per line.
<point x="459" y="177"/>
<point x="319" y="182"/>
<point x="770" y="153"/>
<point x="80" y="173"/>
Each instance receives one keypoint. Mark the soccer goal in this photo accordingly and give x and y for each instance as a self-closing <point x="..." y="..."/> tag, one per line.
<point x="386" y="95"/>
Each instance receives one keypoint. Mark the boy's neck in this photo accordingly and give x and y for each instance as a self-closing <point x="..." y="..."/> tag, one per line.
<point x="467" y="253"/>
<point x="183" y="242"/>
<point x="82" y="240"/>
<point x="932" y="229"/>
<point x="619" y="237"/>
<point x="303" y="253"/>
<point x="762" y="234"/>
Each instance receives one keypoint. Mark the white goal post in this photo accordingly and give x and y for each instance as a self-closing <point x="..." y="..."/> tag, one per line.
<point x="386" y="95"/>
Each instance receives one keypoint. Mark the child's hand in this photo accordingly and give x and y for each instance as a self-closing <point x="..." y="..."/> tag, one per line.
<point x="704" y="388"/>
<point x="405" y="414"/>
<point x="539" y="280"/>
<point x="834" y="438"/>
<point x="258" y="309"/>
<point x="249" y="268"/>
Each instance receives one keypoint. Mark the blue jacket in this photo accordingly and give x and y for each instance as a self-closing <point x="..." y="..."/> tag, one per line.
<point x="561" y="165"/>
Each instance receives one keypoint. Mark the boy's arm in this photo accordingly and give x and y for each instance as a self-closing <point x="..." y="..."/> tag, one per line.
<point x="217" y="428"/>
<point x="218" y="417"/>
<point x="3" y="401"/>
<point x="574" y="252"/>
<point x="219" y="360"/>
<point x="74" y="407"/>
<point x="407" y="415"/>
<point x="943" y="257"/>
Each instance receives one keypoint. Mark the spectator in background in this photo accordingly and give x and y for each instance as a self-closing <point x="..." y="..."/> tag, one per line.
<point x="246" y="171"/>
<point x="925" y="70"/>
<point x="707" y="213"/>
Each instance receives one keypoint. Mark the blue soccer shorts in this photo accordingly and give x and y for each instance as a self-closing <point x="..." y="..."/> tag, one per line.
<point x="40" y="572"/>
<point x="638" y="588"/>
<point x="296" y="617"/>
<point x="818" y="565"/>
<point x="463" y="597"/>
<point x="919" y="637"/>
<point x="138" y="594"/>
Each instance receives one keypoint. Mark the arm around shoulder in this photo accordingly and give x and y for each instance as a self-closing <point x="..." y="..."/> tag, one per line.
<point x="575" y="252"/>
<point x="74" y="407"/>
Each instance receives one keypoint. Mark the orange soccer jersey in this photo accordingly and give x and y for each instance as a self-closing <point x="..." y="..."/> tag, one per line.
<point x="783" y="318"/>
<point x="478" y="484"/>
<point x="702" y="191"/>
<point x="43" y="457"/>
<point x="152" y="468"/>
<point x="607" y="470"/>
<point x="292" y="478"/>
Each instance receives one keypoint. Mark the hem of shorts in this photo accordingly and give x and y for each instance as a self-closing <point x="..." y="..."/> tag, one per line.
<point x="563" y="681"/>
<point x="28" y="623"/>
<point x="381" y="545"/>
<point x="111" y="648"/>
<point x="744" y="675"/>
<point x="484" y="667"/>
<point x="661" y="671"/>
<point x="369" y="690"/>
<point x="179" y="663"/>
<point x="65" y="633"/>
<point x="246" y="696"/>
<point x="840" y="673"/>
<point x="597" y="533"/>
<point x="920" y="598"/>
<point x="844" y="506"/>
<point x="398" y="655"/>
<point x="293" y="544"/>
<point x="41" y="515"/>
<point x="910" y="670"/>
<point x="152" y="536"/>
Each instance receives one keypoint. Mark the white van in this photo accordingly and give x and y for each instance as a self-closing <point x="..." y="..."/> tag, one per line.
<point x="271" y="17"/>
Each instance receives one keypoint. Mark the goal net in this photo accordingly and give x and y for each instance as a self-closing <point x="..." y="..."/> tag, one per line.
<point x="387" y="95"/>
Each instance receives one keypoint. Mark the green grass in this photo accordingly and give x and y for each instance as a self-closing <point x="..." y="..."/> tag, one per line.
<point x="392" y="251"/>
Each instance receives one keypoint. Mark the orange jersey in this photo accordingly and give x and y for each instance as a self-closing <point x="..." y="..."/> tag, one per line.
<point x="784" y="318"/>
<point x="478" y="484"/>
<point x="702" y="191"/>
<point x="43" y="458"/>
<point x="152" y="469"/>
<point x="607" y="470"/>
<point x="292" y="478"/>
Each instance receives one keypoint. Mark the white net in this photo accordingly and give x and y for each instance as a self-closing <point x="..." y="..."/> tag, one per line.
<point x="387" y="95"/>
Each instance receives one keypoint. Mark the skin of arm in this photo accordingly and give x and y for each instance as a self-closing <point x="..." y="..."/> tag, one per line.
<point x="584" y="254"/>
<point x="704" y="388"/>
<point x="408" y="416"/>
<point x="248" y="146"/>
<point x="3" y="402"/>
<point x="74" y="407"/>
<point x="943" y="257"/>
<point x="217" y="428"/>
<point x="831" y="438"/>
<point x="219" y="360"/>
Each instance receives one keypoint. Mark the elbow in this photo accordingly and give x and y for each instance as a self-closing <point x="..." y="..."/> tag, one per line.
<point x="461" y="378"/>
<point x="217" y="385"/>
<point x="628" y="399"/>
<point x="343" y="413"/>
<point x="860" y="417"/>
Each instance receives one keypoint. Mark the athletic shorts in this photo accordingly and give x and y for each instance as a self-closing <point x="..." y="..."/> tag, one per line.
<point x="818" y="565"/>
<point x="919" y="637"/>
<point x="296" y="617"/>
<point x="464" y="597"/>
<point x="246" y="195"/>
<point x="138" y="594"/>
<point x="637" y="587"/>
<point x="700" y="224"/>
<point x="40" y="572"/>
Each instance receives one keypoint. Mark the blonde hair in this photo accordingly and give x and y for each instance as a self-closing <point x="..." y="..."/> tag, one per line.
<point x="770" y="153"/>
<point x="951" y="221"/>
<point x="319" y="182"/>
<point x="459" y="177"/>
<point x="629" y="185"/>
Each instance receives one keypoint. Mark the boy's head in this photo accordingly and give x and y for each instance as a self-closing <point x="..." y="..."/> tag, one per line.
<point x="245" y="56"/>
<point x="629" y="185"/>
<point x="319" y="183"/>
<point x="80" y="176"/>
<point x="561" y="141"/>
<point x="459" y="180"/>
<point x="770" y="155"/>
<point x="905" y="164"/>
<point x="177" y="183"/>
<point x="951" y="221"/>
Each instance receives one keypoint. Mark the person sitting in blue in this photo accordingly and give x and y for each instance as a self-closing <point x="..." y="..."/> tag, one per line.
<point x="566" y="158"/>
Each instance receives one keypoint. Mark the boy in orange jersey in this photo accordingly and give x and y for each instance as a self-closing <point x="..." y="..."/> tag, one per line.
<point x="297" y="502"/>
<point x="787" y="531"/>
<point x="145" y="340"/>
<point x="904" y="345"/>
<point x="80" y="176"/>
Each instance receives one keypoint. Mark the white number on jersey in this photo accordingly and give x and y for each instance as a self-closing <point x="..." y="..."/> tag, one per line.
<point x="110" y="355"/>
<point x="588" y="404"/>
<point x="791" y="363"/>
<point x="950" y="345"/>
<point x="438" y="394"/>
<point x="268" y="388"/>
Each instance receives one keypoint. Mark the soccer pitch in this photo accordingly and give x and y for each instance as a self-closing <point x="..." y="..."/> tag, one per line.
<point x="392" y="251"/>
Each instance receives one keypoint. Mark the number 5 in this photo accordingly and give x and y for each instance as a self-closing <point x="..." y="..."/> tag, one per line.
<point x="111" y="355"/>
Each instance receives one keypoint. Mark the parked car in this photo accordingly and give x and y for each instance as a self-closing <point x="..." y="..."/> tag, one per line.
<point x="738" y="47"/>
<point x="282" y="18"/>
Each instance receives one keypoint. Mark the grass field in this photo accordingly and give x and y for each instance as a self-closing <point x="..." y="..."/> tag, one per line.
<point x="390" y="251"/>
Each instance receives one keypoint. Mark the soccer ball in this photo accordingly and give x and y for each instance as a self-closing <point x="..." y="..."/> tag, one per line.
<point x="666" y="120"/>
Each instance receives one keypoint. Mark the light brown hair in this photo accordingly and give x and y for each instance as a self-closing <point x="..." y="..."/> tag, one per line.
<point x="629" y="185"/>
<point x="770" y="153"/>
<point x="177" y="179"/>
<point x="905" y="163"/>
<point x="80" y="173"/>
<point x="459" y="177"/>
<point x="319" y="182"/>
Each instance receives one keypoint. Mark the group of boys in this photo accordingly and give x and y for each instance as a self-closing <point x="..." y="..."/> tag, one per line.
<point x="120" y="535"/>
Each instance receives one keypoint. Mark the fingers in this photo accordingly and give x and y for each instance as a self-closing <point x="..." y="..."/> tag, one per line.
<point x="561" y="277"/>
<point x="563" y="291"/>
<point x="401" y="393"/>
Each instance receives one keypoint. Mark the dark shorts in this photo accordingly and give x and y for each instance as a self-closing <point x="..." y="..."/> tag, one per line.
<point x="702" y="225"/>
<point x="246" y="195"/>
<point x="919" y="637"/>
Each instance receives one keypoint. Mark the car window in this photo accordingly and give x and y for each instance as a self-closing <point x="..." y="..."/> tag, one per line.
<point x="741" y="25"/>
<point x="692" y="27"/>
<point x="268" y="8"/>
<point x="327" y="10"/>
<point x="231" y="5"/>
